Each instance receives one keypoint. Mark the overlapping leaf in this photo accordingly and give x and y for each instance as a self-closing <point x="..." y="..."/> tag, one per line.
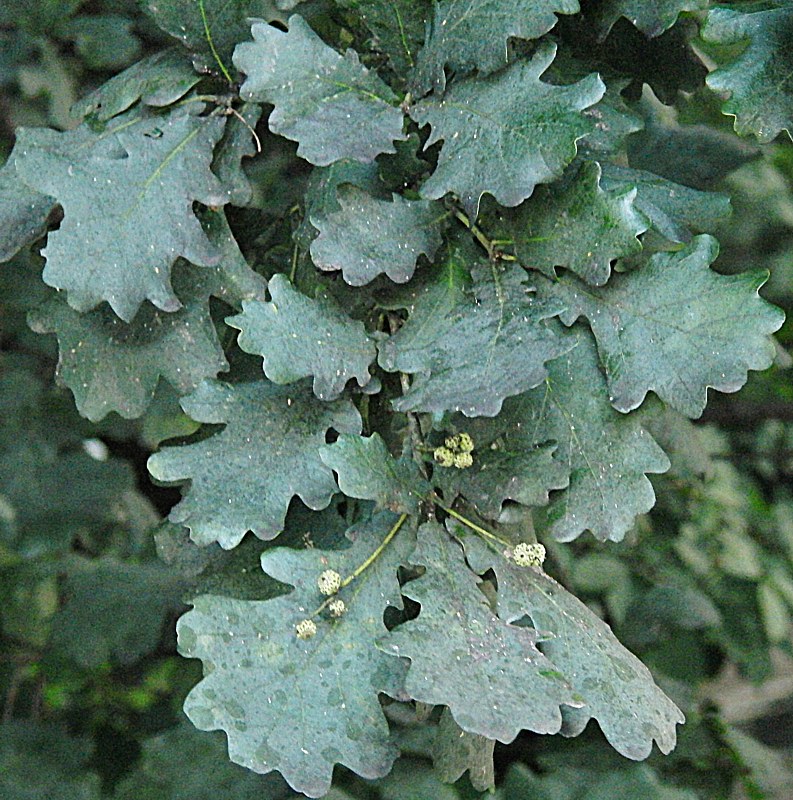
<point x="474" y="34"/>
<point x="605" y="454"/>
<point x="127" y="214"/>
<point x="616" y="688"/>
<point x="111" y="365"/>
<point x="157" y="80"/>
<point x="368" y="237"/>
<point x="506" y="133"/>
<point x="301" y="706"/>
<point x="489" y="673"/>
<point x="672" y="210"/>
<point x="205" y="28"/>
<point x="469" y="349"/>
<point x="244" y="477"/>
<point x="299" y="336"/>
<point x="651" y="19"/>
<point x="760" y="80"/>
<point x="578" y="225"/>
<point x="675" y="327"/>
<point x="397" y="27"/>
<point x="368" y="471"/>
<point x="330" y="104"/>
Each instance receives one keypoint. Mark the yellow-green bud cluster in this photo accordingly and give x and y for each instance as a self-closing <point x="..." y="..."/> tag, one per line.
<point x="305" y="629"/>
<point x="329" y="582"/>
<point x="529" y="555"/>
<point x="455" y="452"/>
<point x="337" y="607"/>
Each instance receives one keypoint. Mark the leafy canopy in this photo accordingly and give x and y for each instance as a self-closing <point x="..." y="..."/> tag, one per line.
<point x="396" y="280"/>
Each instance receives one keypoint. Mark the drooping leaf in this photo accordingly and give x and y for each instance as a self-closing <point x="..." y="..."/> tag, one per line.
<point x="127" y="215"/>
<point x="114" y="610"/>
<point x="157" y="80"/>
<point x="473" y="34"/>
<point x="368" y="471"/>
<point x="489" y="673"/>
<point x="673" y="210"/>
<point x="320" y="199"/>
<point x="469" y="349"/>
<point x="616" y="688"/>
<point x="506" y="133"/>
<point x="368" y="237"/>
<point x="675" y="327"/>
<point x="237" y="143"/>
<point x="23" y="212"/>
<point x="397" y="27"/>
<point x="299" y="336"/>
<point x="185" y="764"/>
<point x="759" y="80"/>
<point x="455" y="751"/>
<point x="42" y="760"/>
<point x="294" y="705"/>
<point x="652" y="19"/>
<point x="245" y="477"/>
<point x="579" y="226"/>
<point x="606" y="454"/>
<point x="330" y="104"/>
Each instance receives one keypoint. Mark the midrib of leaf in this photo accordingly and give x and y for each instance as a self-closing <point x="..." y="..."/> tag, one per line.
<point x="158" y="171"/>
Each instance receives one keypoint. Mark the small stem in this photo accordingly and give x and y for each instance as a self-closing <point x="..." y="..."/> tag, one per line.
<point x="211" y="42"/>
<point x="490" y="245"/>
<point x="472" y="525"/>
<point x="365" y="565"/>
<point x="293" y="270"/>
<point x="372" y="558"/>
<point x="248" y="125"/>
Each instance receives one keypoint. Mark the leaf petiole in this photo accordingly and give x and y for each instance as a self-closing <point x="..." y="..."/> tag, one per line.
<point x="365" y="565"/>
<point x="472" y="525"/>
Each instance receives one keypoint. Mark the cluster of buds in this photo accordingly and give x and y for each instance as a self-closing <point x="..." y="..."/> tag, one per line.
<point x="455" y="452"/>
<point x="328" y="583"/>
<point x="529" y="555"/>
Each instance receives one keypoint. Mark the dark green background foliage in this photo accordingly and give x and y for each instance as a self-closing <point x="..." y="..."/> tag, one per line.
<point x="262" y="262"/>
